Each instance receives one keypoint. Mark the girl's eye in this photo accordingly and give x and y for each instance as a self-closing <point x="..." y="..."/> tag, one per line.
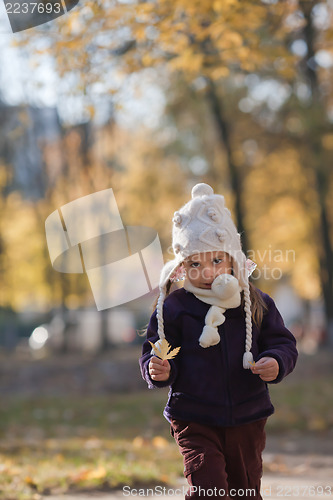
<point x="217" y="261"/>
<point x="195" y="264"/>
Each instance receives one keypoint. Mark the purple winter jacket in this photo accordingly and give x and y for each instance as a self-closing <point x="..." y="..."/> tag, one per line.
<point x="209" y="385"/>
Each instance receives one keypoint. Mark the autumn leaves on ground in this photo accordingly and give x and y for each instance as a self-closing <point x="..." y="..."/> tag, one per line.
<point x="64" y="439"/>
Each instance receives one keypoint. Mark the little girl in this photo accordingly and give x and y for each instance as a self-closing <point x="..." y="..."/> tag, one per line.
<point x="232" y="342"/>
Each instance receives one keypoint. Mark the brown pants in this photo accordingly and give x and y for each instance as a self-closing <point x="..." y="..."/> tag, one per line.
<point x="221" y="461"/>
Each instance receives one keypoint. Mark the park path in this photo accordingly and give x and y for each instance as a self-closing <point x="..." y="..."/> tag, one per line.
<point x="273" y="488"/>
<point x="288" y="476"/>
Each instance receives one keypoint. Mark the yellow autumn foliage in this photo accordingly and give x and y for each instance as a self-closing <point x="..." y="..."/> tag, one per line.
<point x="194" y="38"/>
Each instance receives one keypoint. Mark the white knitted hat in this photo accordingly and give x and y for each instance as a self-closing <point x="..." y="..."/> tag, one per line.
<point x="204" y="224"/>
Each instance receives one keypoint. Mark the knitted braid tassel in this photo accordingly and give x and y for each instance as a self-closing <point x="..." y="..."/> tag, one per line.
<point x="159" y="313"/>
<point x="248" y="357"/>
<point x="162" y="348"/>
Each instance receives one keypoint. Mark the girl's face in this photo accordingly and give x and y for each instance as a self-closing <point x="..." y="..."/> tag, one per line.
<point x="203" y="268"/>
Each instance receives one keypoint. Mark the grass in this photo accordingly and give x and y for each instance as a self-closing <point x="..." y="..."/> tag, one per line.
<point x="114" y="414"/>
<point x="53" y="445"/>
<point x="305" y="406"/>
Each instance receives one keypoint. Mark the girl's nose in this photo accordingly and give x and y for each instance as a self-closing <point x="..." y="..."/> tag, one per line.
<point x="208" y="273"/>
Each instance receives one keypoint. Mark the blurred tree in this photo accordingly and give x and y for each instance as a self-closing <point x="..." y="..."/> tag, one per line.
<point x="302" y="121"/>
<point x="318" y="157"/>
<point x="77" y="174"/>
<point x="215" y="46"/>
<point x="23" y="282"/>
<point x="5" y="175"/>
<point x="204" y="42"/>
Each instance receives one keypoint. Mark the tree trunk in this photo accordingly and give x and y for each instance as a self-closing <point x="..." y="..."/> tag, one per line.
<point x="224" y="131"/>
<point x="325" y="251"/>
<point x="105" y="344"/>
<point x="322" y="172"/>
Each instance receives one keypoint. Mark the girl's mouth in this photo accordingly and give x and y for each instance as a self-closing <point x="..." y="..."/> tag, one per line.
<point x="206" y="285"/>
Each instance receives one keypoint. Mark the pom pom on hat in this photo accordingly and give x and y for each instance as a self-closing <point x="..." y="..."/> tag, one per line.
<point x="202" y="189"/>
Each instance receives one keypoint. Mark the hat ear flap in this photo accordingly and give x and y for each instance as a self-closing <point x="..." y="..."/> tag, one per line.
<point x="168" y="270"/>
<point x="240" y="270"/>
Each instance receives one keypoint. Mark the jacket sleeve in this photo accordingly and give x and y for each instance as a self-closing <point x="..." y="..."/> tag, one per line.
<point x="276" y="341"/>
<point x="172" y="335"/>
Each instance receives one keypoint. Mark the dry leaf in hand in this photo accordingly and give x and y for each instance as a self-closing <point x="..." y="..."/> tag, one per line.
<point x="162" y="349"/>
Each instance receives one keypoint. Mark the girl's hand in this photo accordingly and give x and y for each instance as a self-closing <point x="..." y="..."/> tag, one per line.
<point x="159" y="370"/>
<point x="266" y="368"/>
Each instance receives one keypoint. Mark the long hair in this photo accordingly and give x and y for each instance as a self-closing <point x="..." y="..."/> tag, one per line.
<point x="258" y="305"/>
